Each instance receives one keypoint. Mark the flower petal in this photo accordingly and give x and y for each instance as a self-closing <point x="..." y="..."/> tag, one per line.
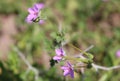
<point x="41" y="22"/>
<point x="118" y="53"/>
<point x="39" y="6"/>
<point x="31" y="10"/>
<point x="57" y="58"/>
<point x="66" y="72"/>
<point x="71" y="73"/>
<point x="69" y="64"/>
<point x="59" y="52"/>
<point x="64" y="68"/>
<point x="30" y="17"/>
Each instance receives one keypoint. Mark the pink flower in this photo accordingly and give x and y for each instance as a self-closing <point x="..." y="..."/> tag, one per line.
<point x="68" y="70"/>
<point x="34" y="13"/>
<point x="59" y="54"/>
<point x="118" y="53"/>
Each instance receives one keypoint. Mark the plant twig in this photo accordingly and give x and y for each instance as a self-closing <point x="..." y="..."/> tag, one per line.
<point x="80" y="54"/>
<point x="30" y="67"/>
<point x="104" y="68"/>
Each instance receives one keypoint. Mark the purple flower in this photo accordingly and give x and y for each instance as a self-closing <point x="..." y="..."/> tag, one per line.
<point x="59" y="54"/>
<point x="118" y="53"/>
<point x="34" y="13"/>
<point x="68" y="70"/>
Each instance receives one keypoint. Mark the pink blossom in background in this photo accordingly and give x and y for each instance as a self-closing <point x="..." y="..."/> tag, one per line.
<point x="68" y="70"/>
<point x="118" y="53"/>
<point x="34" y="13"/>
<point x="59" y="54"/>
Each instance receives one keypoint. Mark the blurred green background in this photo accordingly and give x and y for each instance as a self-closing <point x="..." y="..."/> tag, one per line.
<point x="85" y="22"/>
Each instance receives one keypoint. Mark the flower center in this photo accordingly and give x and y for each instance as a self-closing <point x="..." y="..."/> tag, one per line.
<point x="35" y="13"/>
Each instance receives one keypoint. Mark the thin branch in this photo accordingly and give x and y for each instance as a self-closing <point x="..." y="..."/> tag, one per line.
<point x="95" y="65"/>
<point x="104" y="68"/>
<point x="30" y="67"/>
<point x="80" y="54"/>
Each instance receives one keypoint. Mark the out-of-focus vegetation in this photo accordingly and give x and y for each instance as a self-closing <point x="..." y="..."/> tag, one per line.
<point x="85" y="22"/>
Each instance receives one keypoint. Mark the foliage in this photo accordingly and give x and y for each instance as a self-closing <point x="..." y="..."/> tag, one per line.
<point x="85" y="23"/>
